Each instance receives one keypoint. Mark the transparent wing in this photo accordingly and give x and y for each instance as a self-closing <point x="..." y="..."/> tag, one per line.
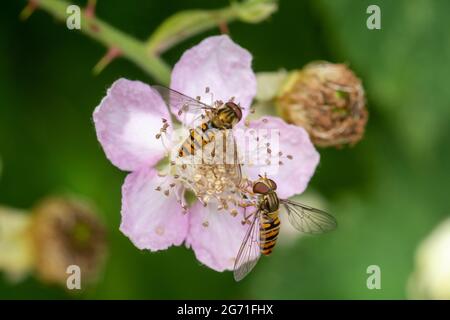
<point x="308" y="219"/>
<point x="181" y="102"/>
<point x="222" y="154"/>
<point x="249" y="251"/>
<point x="232" y="164"/>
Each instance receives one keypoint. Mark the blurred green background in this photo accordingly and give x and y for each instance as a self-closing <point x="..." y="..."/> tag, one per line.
<point x="387" y="192"/>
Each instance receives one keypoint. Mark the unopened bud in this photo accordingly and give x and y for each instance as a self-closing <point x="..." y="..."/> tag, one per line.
<point x="328" y="101"/>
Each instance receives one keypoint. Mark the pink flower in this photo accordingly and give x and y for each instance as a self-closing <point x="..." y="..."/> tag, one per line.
<point x="128" y="119"/>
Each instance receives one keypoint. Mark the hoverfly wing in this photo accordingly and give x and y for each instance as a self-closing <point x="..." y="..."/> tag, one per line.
<point x="178" y="101"/>
<point x="308" y="219"/>
<point x="249" y="252"/>
<point x="233" y="163"/>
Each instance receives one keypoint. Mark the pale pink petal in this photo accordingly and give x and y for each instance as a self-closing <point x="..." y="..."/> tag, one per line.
<point x="276" y="143"/>
<point x="220" y="64"/>
<point x="150" y="219"/>
<point x="216" y="245"/>
<point x="127" y="121"/>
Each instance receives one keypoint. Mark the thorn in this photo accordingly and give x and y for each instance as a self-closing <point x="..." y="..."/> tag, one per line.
<point x="90" y="13"/>
<point x="28" y="10"/>
<point x="90" y="8"/>
<point x="107" y="59"/>
<point x="223" y="27"/>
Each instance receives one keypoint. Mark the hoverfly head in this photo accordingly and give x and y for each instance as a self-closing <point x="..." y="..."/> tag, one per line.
<point x="264" y="185"/>
<point x="229" y="114"/>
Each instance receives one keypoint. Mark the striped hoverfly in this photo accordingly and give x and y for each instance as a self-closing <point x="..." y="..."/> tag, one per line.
<point x="264" y="224"/>
<point x="209" y="147"/>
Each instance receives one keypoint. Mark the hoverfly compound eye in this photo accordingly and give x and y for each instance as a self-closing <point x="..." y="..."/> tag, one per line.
<point x="236" y="109"/>
<point x="272" y="184"/>
<point x="261" y="188"/>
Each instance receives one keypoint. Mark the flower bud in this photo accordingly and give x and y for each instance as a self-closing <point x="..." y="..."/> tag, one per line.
<point x="328" y="101"/>
<point x="431" y="276"/>
<point x="254" y="11"/>
<point x="16" y="255"/>
<point x="67" y="232"/>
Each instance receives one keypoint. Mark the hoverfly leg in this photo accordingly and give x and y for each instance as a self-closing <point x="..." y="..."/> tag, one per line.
<point x="246" y="219"/>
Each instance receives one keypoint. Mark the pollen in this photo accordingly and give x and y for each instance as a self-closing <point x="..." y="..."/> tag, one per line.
<point x="215" y="184"/>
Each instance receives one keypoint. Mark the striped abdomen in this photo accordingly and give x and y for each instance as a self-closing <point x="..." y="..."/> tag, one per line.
<point x="269" y="230"/>
<point x="198" y="138"/>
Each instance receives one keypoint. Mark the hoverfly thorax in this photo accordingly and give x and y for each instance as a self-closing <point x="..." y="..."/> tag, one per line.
<point x="227" y="116"/>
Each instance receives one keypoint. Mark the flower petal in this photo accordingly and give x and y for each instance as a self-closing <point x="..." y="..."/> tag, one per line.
<point x="127" y="120"/>
<point x="220" y="64"/>
<point x="149" y="218"/>
<point x="290" y="159"/>
<point x="217" y="244"/>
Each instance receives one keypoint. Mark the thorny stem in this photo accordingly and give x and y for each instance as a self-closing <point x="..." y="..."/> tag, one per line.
<point x="109" y="36"/>
<point x="175" y="29"/>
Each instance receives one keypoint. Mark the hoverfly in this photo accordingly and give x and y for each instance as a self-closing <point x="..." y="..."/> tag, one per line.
<point x="263" y="231"/>
<point x="219" y="116"/>
<point x="216" y="120"/>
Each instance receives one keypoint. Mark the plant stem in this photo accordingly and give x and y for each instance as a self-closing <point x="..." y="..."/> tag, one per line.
<point x="112" y="38"/>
